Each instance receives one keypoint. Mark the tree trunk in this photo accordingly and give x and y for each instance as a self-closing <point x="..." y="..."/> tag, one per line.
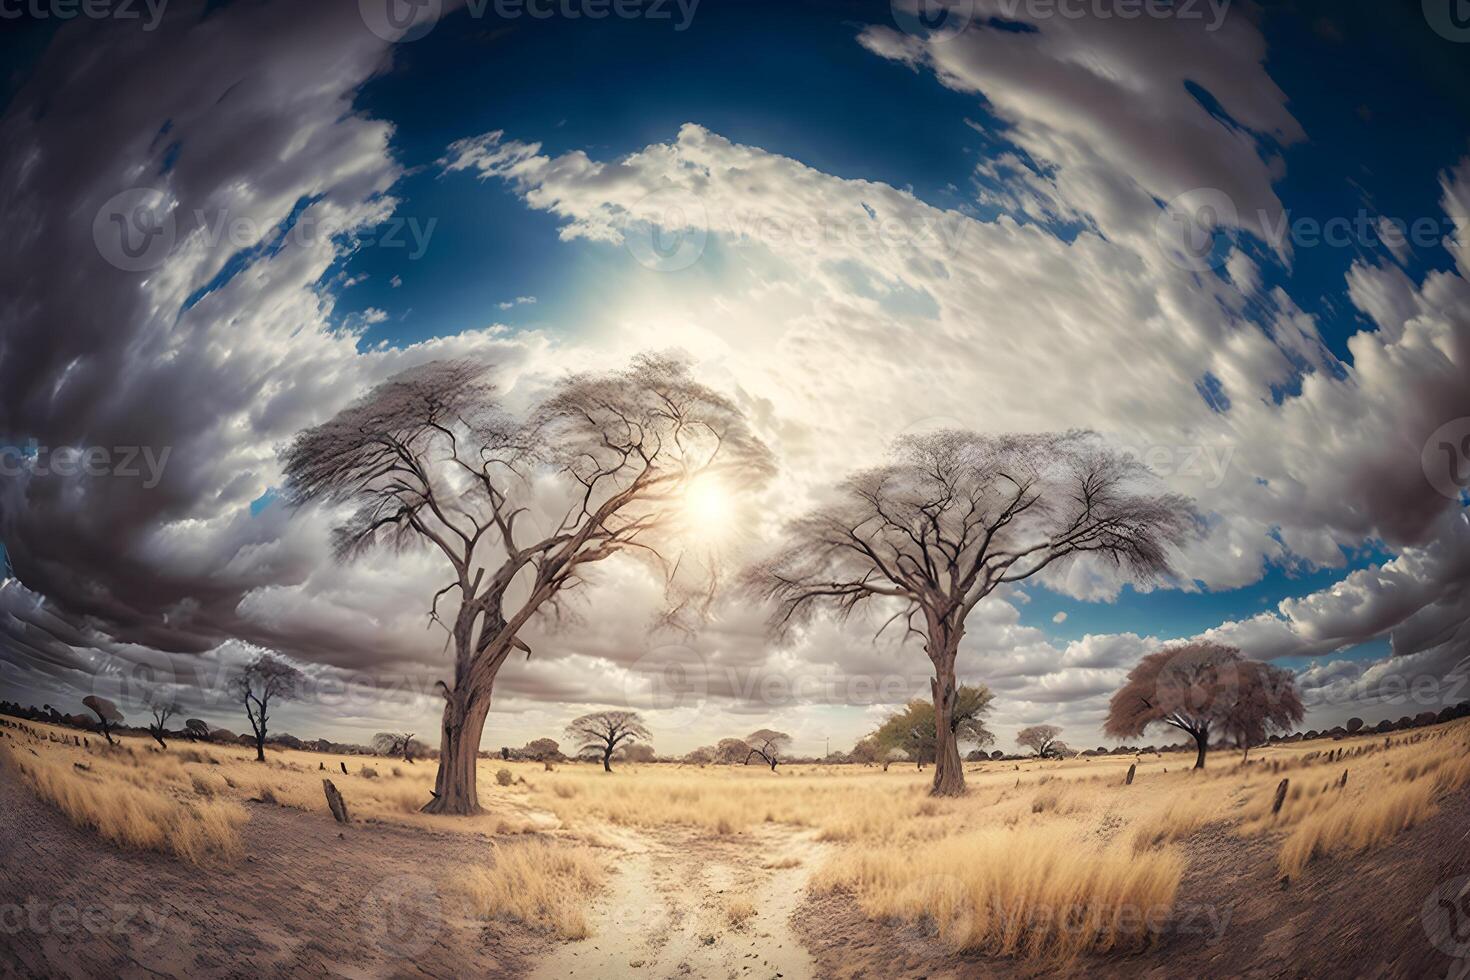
<point x="607" y="761"/>
<point x="455" y="787"/>
<point x="773" y="764"/>
<point x="949" y="773"/>
<point x="1202" y="742"/>
<point x="158" y="737"/>
<point x="260" y="747"/>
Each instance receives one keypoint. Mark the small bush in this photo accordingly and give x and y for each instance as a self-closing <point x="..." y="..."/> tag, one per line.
<point x="738" y="908"/>
<point x="503" y="777"/>
<point x="368" y="772"/>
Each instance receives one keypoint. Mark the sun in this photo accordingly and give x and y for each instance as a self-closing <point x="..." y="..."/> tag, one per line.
<point x="707" y="509"/>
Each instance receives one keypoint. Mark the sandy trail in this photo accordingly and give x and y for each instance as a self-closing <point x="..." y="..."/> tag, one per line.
<point x="665" y="911"/>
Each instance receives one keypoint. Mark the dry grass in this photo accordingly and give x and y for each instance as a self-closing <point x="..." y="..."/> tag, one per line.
<point x="1349" y="829"/>
<point x="1039" y="859"/>
<point x="1326" y="819"/>
<point x="545" y="885"/>
<point x="206" y="833"/>
<point x="1179" y="818"/>
<point x="738" y="908"/>
<point x="1031" y="892"/>
<point x="781" y="863"/>
<point x="207" y="784"/>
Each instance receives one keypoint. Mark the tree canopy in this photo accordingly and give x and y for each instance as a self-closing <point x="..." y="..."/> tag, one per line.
<point x="263" y="680"/>
<point x="603" y="731"/>
<point x="432" y="458"/>
<point x="768" y="744"/>
<point x="1205" y="687"/>
<point x="1041" y="739"/>
<point x="914" y="732"/>
<point x="951" y="517"/>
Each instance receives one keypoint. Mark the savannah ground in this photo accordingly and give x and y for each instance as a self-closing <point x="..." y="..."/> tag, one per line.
<point x="199" y="861"/>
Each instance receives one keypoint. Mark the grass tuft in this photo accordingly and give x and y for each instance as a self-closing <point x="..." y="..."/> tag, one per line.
<point x="544" y="885"/>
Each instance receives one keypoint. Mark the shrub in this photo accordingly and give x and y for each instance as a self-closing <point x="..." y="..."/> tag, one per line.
<point x="368" y="772"/>
<point x="503" y="777"/>
<point x="738" y="908"/>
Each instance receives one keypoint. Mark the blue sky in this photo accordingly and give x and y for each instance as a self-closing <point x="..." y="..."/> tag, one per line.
<point x="790" y="78"/>
<point x="1378" y="140"/>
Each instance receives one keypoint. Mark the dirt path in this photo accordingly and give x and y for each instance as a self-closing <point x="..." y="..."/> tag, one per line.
<point x="311" y="899"/>
<point x="667" y="910"/>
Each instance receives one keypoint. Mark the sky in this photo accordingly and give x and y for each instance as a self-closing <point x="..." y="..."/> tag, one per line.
<point x="1231" y="239"/>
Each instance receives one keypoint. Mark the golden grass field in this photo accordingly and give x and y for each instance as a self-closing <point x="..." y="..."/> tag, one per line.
<point x="984" y="871"/>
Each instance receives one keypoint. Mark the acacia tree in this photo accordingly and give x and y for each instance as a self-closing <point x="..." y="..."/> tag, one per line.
<point x="636" y="752"/>
<point x="1041" y="739"/>
<point x="106" y="712"/>
<point x="952" y="517"/>
<point x="400" y="744"/>
<point x="866" y="750"/>
<point x="430" y="459"/>
<point x="196" y="728"/>
<point x="731" y="750"/>
<point x="263" y="680"/>
<point x="913" y="729"/>
<point x="604" y="731"/>
<point x="163" y="708"/>
<point x="1264" y="697"/>
<point x="541" y="750"/>
<point x="1204" y="687"/>
<point x="767" y="744"/>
